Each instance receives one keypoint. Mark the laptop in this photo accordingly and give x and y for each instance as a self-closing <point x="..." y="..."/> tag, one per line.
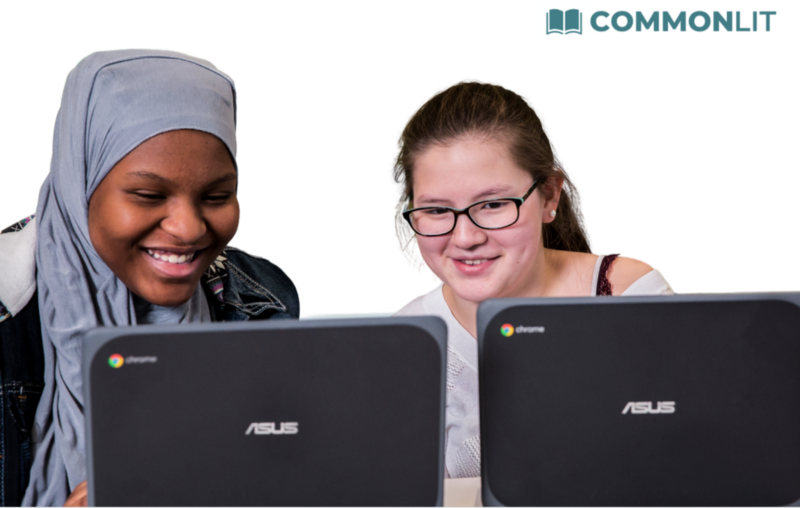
<point x="288" y="413"/>
<point x="646" y="401"/>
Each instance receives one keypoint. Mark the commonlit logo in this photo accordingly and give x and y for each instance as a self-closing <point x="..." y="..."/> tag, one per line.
<point x="267" y="428"/>
<point x="644" y="408"/>
<point x="507" y="330"/>
<point x="560" y="22"/>
<point x="571" y="21"/>
<point x="116" y="361"/>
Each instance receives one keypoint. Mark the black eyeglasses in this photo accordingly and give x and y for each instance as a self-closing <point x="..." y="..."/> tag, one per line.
<point x="487" y="214"/>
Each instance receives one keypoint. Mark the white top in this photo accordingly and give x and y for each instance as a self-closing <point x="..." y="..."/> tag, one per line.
<point x="18" y="277"/>
<point x="462" y="423"/>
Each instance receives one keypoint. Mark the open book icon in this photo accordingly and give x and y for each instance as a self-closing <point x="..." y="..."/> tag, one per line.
<point x="558" y="22"/>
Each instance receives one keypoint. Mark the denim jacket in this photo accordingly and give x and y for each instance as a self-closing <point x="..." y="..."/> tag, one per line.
<point x="239" y="287"/>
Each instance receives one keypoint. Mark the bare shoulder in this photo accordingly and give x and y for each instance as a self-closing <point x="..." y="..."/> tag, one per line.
<point x="625" y="271"/>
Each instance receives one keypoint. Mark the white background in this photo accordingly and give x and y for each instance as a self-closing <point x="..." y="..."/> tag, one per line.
<point x="683" y="145"/>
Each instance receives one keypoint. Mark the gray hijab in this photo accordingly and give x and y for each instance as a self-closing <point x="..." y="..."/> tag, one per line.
<point x="112" y="102"/>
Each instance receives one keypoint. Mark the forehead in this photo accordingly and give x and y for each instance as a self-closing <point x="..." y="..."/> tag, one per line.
<point x="186" y="154"/>
<point x="464" y="169"/>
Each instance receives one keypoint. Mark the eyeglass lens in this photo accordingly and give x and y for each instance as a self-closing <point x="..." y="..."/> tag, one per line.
<point x="492" y="214"/>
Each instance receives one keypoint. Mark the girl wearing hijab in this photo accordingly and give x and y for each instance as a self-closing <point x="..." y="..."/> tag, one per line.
<point x="132" y="227"/>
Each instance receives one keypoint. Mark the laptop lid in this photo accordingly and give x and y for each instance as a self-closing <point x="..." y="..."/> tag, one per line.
<point x="289" y="413"/>
<point x="673" y="400"/>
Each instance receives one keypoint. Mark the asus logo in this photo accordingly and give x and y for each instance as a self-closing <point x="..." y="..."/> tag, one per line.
<point x="263" y="428"/>
<point x="642" y="408"/>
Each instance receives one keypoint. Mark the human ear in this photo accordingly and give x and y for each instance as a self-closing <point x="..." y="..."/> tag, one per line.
<point x="551" y="193"/>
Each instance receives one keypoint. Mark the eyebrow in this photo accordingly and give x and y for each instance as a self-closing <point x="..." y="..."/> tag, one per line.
<point x="497" y="190"/>
<point x="158" y="178"/>
<point x="147" y="175"/>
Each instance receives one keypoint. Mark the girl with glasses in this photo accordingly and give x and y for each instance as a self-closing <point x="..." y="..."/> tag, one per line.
<point x="494" y="215"/>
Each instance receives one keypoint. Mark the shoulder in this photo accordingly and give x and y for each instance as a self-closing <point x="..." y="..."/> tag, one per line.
<point x="259" y="274"/>
<point x="20" y="325"/>
<point x="415" y="307"/>
<point x="431" y="303"/>
<point x="624" y="272"/>
<point x="18" y="226"/>
<point x="18" y="270"/>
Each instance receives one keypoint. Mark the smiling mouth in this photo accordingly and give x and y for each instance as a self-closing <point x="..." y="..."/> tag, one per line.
<point x="172" y="257"/>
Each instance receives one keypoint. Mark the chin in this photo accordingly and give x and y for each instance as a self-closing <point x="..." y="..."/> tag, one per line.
<point x="473" y="292"/>
<point x="169" y="297"/>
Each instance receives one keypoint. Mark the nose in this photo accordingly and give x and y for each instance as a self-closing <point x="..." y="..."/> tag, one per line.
<point x="185" y="222"/>
<point x="467" y="235"/>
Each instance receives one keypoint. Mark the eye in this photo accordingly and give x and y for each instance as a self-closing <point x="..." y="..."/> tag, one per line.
<point x="494" y="205"/>
<point x="217" y="198"/>
<point x="149" y="196"/>
<point x="434" y="212"/>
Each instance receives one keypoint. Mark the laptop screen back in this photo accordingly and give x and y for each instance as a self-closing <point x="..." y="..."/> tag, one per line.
<point x="293" y="413"/>
<point x="641" y="401"/>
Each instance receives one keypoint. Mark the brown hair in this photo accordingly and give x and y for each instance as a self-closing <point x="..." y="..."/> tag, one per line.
<point x="478" y="109"/>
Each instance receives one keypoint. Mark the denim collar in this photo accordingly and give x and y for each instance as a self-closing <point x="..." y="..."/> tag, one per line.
<point x="231" y="286"/>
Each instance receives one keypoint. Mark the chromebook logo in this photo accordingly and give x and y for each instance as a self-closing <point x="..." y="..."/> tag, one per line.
<point x="507" y="330"/>
<point x="116" y="361"/>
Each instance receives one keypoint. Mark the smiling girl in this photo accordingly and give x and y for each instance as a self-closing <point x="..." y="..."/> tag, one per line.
<point x="132" y="227"/>
<point x="494" y="216"/>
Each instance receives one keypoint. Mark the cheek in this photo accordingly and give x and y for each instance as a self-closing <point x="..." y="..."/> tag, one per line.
<point x="432" y="248"/>
<point x="521" y="241"/>
<point x="129" y="225"/>
<point x="114" y="226"/>
<point x="225" y="222"/>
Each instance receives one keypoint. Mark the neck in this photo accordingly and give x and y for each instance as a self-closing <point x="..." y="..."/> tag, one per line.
<point x="465" y="311"/>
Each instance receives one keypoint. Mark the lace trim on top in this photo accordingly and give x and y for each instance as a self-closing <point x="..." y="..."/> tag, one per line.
<point x="603" y="285"/>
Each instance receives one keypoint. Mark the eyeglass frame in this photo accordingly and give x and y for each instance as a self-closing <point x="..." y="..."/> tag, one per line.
<point x="465" y="211"/>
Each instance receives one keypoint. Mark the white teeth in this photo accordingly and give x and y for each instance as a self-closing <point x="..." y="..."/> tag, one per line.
<point x="473" y="262"/>
<point x="172" y="258"/>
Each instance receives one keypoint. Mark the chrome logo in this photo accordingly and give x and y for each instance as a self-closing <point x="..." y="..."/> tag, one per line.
<point x="116" y="361"/>
<point x="507" y="330"/>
